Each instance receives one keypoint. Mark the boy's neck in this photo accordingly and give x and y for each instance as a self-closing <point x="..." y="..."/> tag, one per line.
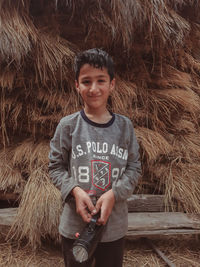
<point x="98" y="116"/>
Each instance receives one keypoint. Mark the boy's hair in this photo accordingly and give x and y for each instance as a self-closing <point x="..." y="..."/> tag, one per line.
<point x="96" y="58"/>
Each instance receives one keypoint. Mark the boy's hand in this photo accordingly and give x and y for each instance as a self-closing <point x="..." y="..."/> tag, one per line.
<point x="84" y="205"/>
<point x="105" y="205"/>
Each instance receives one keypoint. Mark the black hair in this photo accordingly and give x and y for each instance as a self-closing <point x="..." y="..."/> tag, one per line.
<point x="96" y="58"/>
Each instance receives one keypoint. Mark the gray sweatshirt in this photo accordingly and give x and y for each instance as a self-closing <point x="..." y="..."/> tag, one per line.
<point x="96" y="157"/>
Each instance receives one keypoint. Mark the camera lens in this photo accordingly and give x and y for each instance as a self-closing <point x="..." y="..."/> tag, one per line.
<point x="80" y="253"/>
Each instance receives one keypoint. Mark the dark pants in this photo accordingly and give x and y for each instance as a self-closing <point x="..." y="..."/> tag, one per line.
<point x="107" y="254"/>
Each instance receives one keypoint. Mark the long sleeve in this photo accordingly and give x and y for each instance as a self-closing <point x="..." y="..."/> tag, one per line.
<point x="59" y="162"/>
<point x="124" y="186"/>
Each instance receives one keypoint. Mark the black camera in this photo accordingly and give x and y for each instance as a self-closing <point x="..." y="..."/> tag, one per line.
<point x="85" y="245"/>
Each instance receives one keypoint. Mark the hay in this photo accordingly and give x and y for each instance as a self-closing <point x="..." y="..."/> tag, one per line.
<point x="7" y="77"/>
<point x="13" y="108"/>
<point x="182" y="251"/>
<point x="17" y="32"/>
<point x="179" y="180"/>
<point x="39" y="211"/>
<point x="52" y="57"/>
<point x="10" y="177"/>
<point x="125" y="92"/>
<point x="171" y="78"/>
<point x="186" y="100"/>
<point x="14" y="256"/>
<point x="123" y="18"/>
<point x="152" y="143"/>
<point x="30" y="155"/>
<point x="60" y="103"/>
<point x="188" y="146"/>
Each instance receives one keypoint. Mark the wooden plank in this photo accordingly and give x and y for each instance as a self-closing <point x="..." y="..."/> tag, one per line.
<point x="140" y="224"/>
<point x="7" y="216"/>
<point x="9" y="196"/>
<point x="162" y="221"/>
<point x="132" y="234"/>
<point x="147" y="203"/>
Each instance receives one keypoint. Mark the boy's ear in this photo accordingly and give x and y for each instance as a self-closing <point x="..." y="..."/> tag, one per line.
<point x="112" y="84"/>
<point x="77" y="85"/>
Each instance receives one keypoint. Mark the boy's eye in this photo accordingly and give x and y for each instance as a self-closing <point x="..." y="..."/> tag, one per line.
<point x="86" y="82"/>
<point x="101" y="81"/>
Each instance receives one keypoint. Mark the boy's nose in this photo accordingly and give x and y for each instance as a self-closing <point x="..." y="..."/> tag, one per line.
<point x="93" y="87"/>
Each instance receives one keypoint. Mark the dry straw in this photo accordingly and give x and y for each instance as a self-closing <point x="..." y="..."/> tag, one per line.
<point x="7" y="78"/>
<point x="152" y="143"/>
<point x="30" y="155"/>
<point x="52" y="57"/>
<point x="39" y="210"/>
<point x="123" y="97"/>
<point x="10" y="177"/>
<point x="188" y="146"/>
<point x="181" y="181"/>
<point x="17" y="32"/>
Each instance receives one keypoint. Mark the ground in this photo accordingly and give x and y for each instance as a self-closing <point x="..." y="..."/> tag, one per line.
<point x="183" y="251"/>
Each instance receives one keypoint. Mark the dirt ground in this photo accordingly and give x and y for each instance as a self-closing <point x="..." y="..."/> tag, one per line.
<point x="182" y="251"/>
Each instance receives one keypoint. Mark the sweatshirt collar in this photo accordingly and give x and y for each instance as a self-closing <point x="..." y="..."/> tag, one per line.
<point x="100" y="125"/>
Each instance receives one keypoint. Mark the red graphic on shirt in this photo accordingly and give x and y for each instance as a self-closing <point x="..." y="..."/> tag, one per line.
<point x="101" y="174"/>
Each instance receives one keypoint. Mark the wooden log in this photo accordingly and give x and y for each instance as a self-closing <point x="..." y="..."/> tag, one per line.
<point x="9" y="196"/>
<point x="162" y="221"/>
<point x="7" y="216"/>
<point x="135" y="234"/>
<point x="147" y="203"/>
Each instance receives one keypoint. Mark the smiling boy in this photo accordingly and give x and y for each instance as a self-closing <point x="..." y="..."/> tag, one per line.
<point x="94" y="154"/>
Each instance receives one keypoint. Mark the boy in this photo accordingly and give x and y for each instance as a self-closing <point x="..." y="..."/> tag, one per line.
<point x="95" y="155"/>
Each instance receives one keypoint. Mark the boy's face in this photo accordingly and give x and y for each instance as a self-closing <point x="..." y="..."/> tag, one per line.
<point x="95" y="86"/>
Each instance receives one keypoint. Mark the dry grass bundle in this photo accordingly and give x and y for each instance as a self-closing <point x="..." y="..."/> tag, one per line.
<point x="29" y="156"/>
<point x="122" y="19"/>
<point x="52" y="57"/>
<point x="152" y="143"/>
<point x="159" y="110"/>
<point x="164" y="24"/>
<point x="7" y="78"/>
<point x="185" y="126"/>
<point x="178" y="99"/>
<point x="48" y="109"/>
<point x="17" y="32"/>
<point x="62" y="102"/>
<point x="10" y="177"/>
<point x="12" y="106"/>
<point x="39" y="210"/>
<point x="124" y="97"/>
<point x="171" y="78"/>
<point x="187" y="61"/>
<point x="4" y="134"/>
<point x="187" y="146"/>
<point x="181" y="182"/>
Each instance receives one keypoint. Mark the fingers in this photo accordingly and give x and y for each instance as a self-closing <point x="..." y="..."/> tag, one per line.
<point x="103" y="217"/>
<point x="83" y="212"/>
<point x="105" y="204"/>
<point x="85" y="208"/>
<point x="90" y="206"/>
<point x="98" y="206"/>
<point x="84" y="205"/>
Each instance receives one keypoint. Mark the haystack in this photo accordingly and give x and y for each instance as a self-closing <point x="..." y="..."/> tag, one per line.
<point x="155" y="45"/>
